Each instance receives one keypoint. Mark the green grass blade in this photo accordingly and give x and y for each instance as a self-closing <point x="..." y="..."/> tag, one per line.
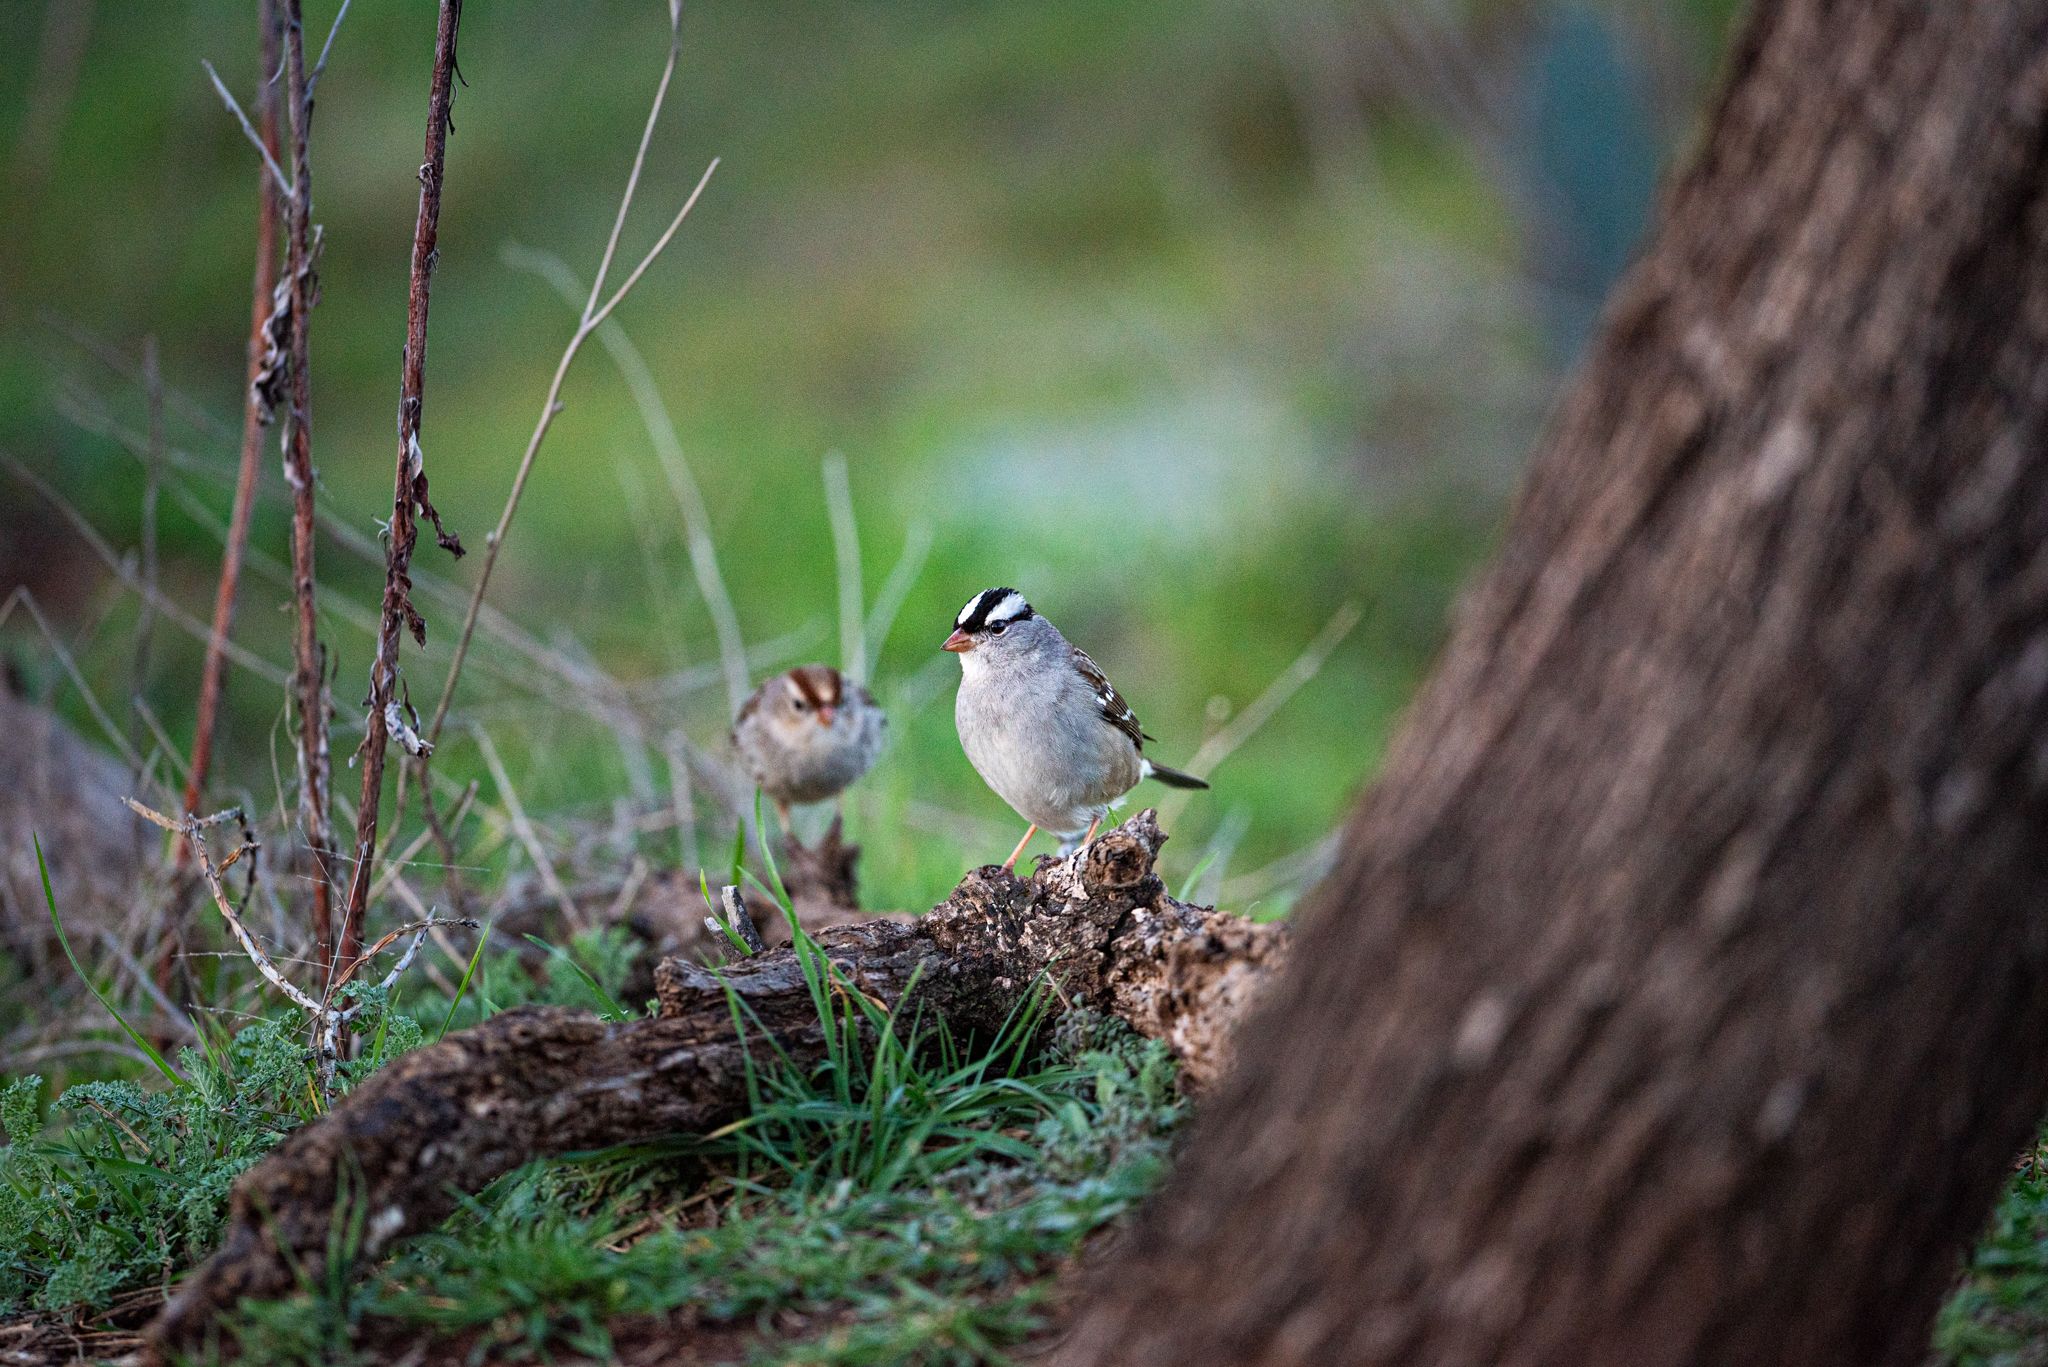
<point x="1188" y="884"/>
<point x="739" y="842"/>
<point x="563" y="955"/>
<point x="781" y="893"/>
<point x="462" y="988"/>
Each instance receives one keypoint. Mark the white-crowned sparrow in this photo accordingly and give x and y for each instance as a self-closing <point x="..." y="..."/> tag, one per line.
<point x="807" y="734"/>
<point x="1041" y="724"/>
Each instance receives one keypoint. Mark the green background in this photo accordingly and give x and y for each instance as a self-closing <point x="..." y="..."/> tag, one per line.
<point x="1194" y="319"/>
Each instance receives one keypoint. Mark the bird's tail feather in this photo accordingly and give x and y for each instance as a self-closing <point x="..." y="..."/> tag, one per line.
<point x="1173" y="778"/>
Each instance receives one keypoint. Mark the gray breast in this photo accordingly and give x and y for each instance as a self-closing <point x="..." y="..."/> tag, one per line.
<point x="1039" y="740"/>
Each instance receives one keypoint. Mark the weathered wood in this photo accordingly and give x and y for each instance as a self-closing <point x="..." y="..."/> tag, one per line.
<point x="541" y="1080"/>
<point x="1682" y="990"/>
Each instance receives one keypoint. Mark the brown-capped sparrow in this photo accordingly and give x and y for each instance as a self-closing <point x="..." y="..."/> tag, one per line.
<point x="1041" y="724"/>
<point x="807" y="734"/>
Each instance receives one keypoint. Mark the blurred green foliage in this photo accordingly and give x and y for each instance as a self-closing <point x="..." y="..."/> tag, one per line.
<point x="1195" y="319"/>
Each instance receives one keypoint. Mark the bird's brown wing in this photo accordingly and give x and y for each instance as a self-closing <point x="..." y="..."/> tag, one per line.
<point x="1115" y="710"/>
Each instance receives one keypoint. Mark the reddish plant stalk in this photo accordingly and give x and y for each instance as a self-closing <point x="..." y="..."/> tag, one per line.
<point x="255" y="417"/>
<point x="308" y="659"/>
<point x="388" y="708"/>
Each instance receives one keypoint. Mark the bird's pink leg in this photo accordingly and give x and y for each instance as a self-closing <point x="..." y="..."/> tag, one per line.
<point x="1011" y="863"/>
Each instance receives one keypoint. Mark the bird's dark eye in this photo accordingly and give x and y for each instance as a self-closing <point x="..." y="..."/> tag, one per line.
<point x="997" y="628"/>
<point x="800" y="705"/>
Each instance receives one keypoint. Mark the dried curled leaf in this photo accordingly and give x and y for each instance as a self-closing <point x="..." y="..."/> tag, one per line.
<point x="417" y="472"/>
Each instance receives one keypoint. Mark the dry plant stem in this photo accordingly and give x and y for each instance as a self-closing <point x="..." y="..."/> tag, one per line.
<point x="593" y="316"/>
<point x="327" y="48"/>
<point x="69" y="664"/>
<point x="409" y="493"/>
<point x="152" y="490"/>
<point x="308" y="662"/>
<point x="586" y="688"/>
<point x="682" y="483"/>
<point x="538" y="1080"/>
<point x="522" y="826"/>
<point x="438" y="832"/>
<point x="853" y="655"/>
<point x="122" y="569"/>
<point x="213" y="674"/>
<point x="675" y="467"/>
<point x="194" y="831"/>
<point x="1245" y="724"/>
<point x="329" y="1020"/>
<point x="558" y="677"/>
<point x="266" y="147"/>
<point x="442" y="835"/>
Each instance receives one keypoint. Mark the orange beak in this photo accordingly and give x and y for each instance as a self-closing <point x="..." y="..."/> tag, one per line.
<point x="825" y="715"/>
<point x="958" y="642"/>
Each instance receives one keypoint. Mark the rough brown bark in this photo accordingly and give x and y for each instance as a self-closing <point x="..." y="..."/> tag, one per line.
<point x="544" y="1080"/>
<point x="255" y="417"/>
<point x="387" y="704"/>
<point x="1679" y="995"/>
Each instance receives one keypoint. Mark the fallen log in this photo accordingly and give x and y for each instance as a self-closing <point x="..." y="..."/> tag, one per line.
<point x="451" y="1117"/>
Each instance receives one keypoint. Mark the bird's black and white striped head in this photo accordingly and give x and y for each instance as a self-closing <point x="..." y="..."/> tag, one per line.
<point x="988" y="616"/>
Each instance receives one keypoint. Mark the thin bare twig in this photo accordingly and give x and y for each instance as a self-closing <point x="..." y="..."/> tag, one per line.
<point x="559" y="677"/>
<point x="265" y="147"/>
<point x="387" y="702"/>
<point x="444" y="840"/>
<point x="329" y="1019"/>
<point x="158" y="732"/>
<point x="152" y="490"/>
<point x="418" y="930"/>
<point x="438" y="832"/>
<point x="308" y="658"/>
<point x="213" y="675"/>
<point x="853" y="654"/>
<point x="675" y="466"/>
<point x="114" y="734"/>
<point x="124" y="571"/>
<point x="522" y="826"/>
<point x="1241" y="728"/>
<point x="194" y="828"/>
<point x="593" y="315"/>
<point x="326" y="48"/>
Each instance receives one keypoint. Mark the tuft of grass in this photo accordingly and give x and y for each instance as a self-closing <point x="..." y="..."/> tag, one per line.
<point x="113" y="1187"/>
<point x="903" y="1202"/>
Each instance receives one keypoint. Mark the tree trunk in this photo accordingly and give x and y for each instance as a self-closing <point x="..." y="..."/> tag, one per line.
<point x="1678" y="997"/>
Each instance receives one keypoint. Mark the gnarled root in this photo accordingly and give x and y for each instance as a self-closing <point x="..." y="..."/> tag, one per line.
<point x="540" y="1080"/>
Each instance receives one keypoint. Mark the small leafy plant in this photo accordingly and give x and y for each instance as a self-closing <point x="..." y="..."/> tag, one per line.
<point x="132" y="1186"/>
